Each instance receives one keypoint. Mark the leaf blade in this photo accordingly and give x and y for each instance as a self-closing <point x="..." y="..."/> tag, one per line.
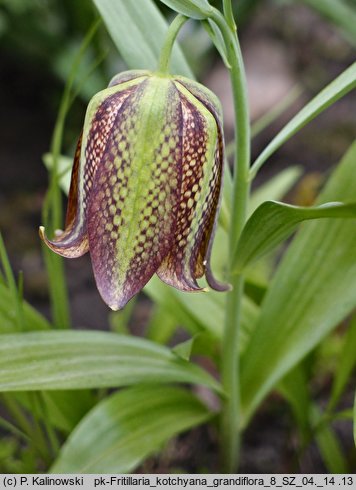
<point x="123" y="430"/>
<point x="273" y="222"/>
<point x="317" y="272"/>
<point x="81" y="359"/>
<point x="339" y="87"/>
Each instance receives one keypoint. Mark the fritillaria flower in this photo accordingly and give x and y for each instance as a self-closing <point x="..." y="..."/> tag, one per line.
<point x="146" y="185"/>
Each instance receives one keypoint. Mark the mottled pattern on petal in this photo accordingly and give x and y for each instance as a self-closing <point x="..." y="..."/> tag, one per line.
<point x="205" y="96"/>
<point x="135" y="191"/>
<point x="201" y="178"/>
<point x="205" y="236"/>
<point x="101" y="113"/>
<point x="212" y="103"/>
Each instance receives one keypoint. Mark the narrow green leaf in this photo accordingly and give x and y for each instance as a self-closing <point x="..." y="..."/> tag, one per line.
<point x="12" y="429"/>
<point x="328" y="445"/>
<point x="294" y="389"/>
<point x="275" y="188"/>
<point x="311" y="292"/>
<point x="343" y="84"/>
<point x="273" y="222"/>
<point x="345" y="366"/>
<point x="196" y="9"/>
<point x="123" y="430"/>
<point x="83" y="359"/>
<point x="346" y="414"/>
<point x="216" y="36"/>
<point x="15" y="297"/>
<point x="138" y="30"/>
<point x="33" y="320"/>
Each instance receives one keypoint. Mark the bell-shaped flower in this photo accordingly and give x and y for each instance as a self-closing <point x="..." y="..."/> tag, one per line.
<point x="146" y="185"/>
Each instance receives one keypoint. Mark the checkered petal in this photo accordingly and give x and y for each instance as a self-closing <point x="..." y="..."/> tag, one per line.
<point x="100" y="118"/>
<point x="202" y="167"/>
<point x="135" y="192"/>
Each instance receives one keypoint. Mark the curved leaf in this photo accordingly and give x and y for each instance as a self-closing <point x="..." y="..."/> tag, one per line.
<point x="83" y="359"/>
<point x="138" y="30"/>
<point x="124" y="429"/>
<point x="273" y="222"/>
<point x="343" y="84"/>
<point x="312" y="291"/>
<point x="196" y="9"/>
<point x="216" y="36"/>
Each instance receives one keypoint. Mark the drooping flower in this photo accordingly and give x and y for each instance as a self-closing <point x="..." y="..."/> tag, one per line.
<point x="145" y="186"/>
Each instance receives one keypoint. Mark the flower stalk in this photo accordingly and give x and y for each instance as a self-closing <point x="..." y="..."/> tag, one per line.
<point x="166" y="51"/>
<point x="230" y="419"/>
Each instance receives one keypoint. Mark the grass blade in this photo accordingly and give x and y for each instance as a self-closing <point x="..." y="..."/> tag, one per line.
<point x="339" y="87"/>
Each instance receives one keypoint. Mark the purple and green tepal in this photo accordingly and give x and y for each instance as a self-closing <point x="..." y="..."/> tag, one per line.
<point x="146" y="185"/>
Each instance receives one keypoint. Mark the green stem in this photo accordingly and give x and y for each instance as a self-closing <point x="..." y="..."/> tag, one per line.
<point x="166" y="52"/>
<point x="230" y="437"/>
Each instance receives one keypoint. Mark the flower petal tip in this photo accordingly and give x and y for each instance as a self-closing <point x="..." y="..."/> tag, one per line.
<point x="41" y="232"/>
<point x="114" y="307"/>
<point x="43" y="236"/>
<point x="115" y="303"/>
<point x="215" y="284"/>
